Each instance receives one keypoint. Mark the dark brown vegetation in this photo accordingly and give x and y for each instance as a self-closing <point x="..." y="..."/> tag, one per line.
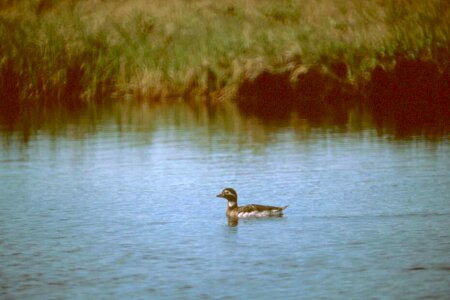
<point x="406" y="93"/>
<point x="413" y="93"/>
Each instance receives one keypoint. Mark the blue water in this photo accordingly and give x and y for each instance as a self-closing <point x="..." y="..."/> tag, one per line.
<point x="132" y="213"/>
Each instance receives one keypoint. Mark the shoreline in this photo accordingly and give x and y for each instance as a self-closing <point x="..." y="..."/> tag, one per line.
<point x="308" y="58"/>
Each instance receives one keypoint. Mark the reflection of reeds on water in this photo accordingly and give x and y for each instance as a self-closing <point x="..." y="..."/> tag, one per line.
<point x="213" y="123"/>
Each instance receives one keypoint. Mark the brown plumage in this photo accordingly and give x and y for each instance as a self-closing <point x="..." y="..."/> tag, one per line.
<point x="248" y="211"/>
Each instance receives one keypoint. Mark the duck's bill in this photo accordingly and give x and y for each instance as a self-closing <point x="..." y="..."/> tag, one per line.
<point x="220" y="196"/>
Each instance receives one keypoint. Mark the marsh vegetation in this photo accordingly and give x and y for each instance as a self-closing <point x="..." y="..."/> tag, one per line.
<point x="271" y="57"/>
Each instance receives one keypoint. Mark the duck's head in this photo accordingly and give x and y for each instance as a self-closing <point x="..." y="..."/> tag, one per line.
<point x="229" y="194"/>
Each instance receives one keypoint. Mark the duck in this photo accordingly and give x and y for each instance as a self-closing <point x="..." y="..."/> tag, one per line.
<point x="248" y="211"/>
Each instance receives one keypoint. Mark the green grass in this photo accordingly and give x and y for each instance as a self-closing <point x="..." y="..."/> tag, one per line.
<point x="67" y="51"/>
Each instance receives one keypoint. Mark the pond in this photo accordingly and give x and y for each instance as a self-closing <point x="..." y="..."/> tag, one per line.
<point x="120" y="204"/>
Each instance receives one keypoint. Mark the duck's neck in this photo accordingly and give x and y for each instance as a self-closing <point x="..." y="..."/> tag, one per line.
<point x="232" y="204"/>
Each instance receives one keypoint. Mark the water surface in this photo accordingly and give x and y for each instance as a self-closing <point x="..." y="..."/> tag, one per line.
<point x="122" y="206"/>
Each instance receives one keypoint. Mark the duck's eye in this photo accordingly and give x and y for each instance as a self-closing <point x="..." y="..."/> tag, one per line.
<point x="226" y="192"/>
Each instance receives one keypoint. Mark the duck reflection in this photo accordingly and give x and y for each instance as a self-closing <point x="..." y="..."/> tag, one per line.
<point x="234" y="221"/>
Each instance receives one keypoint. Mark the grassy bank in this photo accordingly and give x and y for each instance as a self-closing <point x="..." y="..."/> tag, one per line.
<point x="71" y="52"/>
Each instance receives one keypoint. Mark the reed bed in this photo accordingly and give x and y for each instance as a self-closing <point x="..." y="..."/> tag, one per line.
<point x="74" y="52"/>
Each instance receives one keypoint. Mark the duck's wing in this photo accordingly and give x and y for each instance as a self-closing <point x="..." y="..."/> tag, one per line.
<point x="256" y="210"/>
